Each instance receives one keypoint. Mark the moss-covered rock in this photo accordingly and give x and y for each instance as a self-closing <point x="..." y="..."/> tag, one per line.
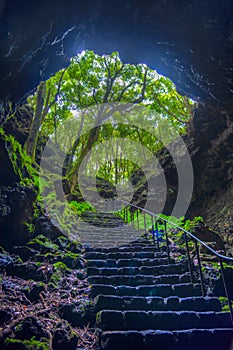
<point x="29" y="344"/>
<point x="64" y="337"/>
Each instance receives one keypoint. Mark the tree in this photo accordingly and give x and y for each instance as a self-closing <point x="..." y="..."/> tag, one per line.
<point x="46" y="96"/>
<point x="104" y="82"/>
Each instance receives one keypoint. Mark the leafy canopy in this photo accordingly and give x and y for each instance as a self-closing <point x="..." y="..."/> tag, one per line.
<point x="93" y="81"/>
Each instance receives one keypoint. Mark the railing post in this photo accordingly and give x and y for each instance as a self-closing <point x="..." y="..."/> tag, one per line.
<point x="128" y="213"/>
<point x="167" y="241"/>
<point x="225" y="287"/>
<point x="200" y="270"/>
<point x="189" y="259"/>
<point x="138" y="220"/>
<point x="157" y="234"/>
<point x="152" y="227"/>
<point x="144" y="219"/>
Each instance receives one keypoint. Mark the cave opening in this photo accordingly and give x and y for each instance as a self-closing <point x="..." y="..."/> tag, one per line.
<point x="109" y="118"/>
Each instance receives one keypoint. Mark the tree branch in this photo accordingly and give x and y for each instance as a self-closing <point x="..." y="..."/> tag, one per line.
<point x="169" y="112"/>
<point x="49" y="105"/>
<point x="141" y="98"/>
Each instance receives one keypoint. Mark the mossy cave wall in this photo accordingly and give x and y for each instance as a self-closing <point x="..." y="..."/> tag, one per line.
<point x="190" y="42"/>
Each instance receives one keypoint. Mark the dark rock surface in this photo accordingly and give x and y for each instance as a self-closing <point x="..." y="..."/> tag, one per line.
<point x="37" y="296"/>
<point x="191" y="43"/>
<point x="16" y="210"/>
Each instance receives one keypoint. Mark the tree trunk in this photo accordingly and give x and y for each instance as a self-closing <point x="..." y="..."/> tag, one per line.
<point x="31" y="142"/>
<point x="92" y="138"/>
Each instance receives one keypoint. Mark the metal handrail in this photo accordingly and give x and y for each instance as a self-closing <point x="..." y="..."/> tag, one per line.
<point x="180" y="228"/>
<point x="196" y="241"/>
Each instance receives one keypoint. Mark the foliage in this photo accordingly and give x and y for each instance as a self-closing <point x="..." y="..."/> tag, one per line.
<point x="30" y="227"/>
<point x="29" y="344"/>
<point x="66" y="217"/>
<point x="59" y="269"/>
<point x="62" y="252"/>
<point x="225" y="305"/>
<point x="80" y="208"/>
<point x="43" y="244"/>
<point x="60" y="266"/>
<point x="87" y="93"/>
<point x="190" y="225"/>
<point x="173" y="221"/>
<point x="21" y="162"/>
<point x="91" y="81"/>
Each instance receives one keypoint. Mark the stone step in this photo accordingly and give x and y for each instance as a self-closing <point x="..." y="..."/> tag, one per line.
<point x="121" y="238"/>
<point x="162" y="320"/>
<point x="140" y="244"/>
<point x="163" y="290"/>
<point x="133" y="262"/>
<point x="103" y="214"/>
<point x="100" y="242"/>
<point x="190" y="339"/>
<point x="143" y="302"/>
<point x="136" y="280"/>
<point x="143" y="270"/>
<point x="146" y="248"/>
<point x="120" y="255"/>
<point x="101" y="235"/>
<point x="107" y="233"/>
<point x="157" y="303"/>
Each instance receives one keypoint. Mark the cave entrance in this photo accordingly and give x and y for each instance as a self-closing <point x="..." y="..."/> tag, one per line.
<point x="105" y="121"/>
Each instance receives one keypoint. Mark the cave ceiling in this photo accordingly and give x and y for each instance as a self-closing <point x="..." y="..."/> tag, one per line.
<point x="190" y="42"/>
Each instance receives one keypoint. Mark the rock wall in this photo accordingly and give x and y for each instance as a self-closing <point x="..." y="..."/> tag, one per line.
<point x="191" y="42"/>
<point x="210" y="140"/>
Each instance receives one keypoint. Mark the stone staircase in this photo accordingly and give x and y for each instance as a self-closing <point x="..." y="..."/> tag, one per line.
<point x="105" y="230"/>
<point x="143" y="302"/>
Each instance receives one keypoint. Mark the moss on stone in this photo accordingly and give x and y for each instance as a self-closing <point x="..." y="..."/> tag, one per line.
<point x="30" y="344"/>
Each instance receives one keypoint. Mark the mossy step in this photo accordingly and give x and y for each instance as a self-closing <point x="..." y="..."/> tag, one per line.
<point x="119" y="255"/>
<point x="190" y="339"/>
<point x="163" y="290"/>
<point x="106" y="235"/>
<point x="148" y="248"/>
<point x="128" y="238"/>
<point x="157" y="303"/>
<point x="163" y="320"/>
<point x="142" y="270"/>
<point x="102" y="219"/>
<point x="99" y="214"/>
<point x="100" y="241"/>
<point x="109" y="243"/>
<point x="133" y="262"/>
<point x="136" y="280"/>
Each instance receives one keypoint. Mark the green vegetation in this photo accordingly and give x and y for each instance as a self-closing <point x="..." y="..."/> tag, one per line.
<point x="92" y="91"/>
<point x="60" y="266"/>
<point x="21" y="162"/>
<point x="80" y="208"/>
<point x="30" y="344"/>
<point x="190" y="225"/>
<point x="43" y="244"/>
<point x="30" y="227"/>
<point x="225" y="305"/>
<point x="64" y="110"/>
